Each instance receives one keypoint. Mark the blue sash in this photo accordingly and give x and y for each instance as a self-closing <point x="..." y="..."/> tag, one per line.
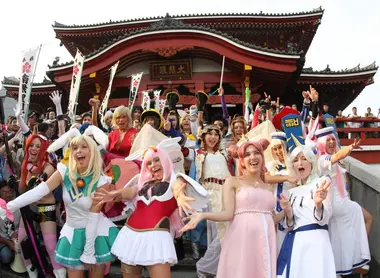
<point x="285" y="256"/>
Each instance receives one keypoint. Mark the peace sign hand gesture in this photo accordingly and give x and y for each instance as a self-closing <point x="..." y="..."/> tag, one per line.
<point x="356" y="145"/>
<point x="321" y="193"/>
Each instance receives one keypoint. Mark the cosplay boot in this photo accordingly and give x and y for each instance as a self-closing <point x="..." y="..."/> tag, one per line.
<point x="60" y="273"/>
<point x="32" y="274"/>
<point x="195" y="248"/>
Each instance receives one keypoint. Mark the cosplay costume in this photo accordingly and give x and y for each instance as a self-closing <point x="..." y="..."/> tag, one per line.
<point x="147" y="237"/>
<point x="244" y="255"/>
<point x="347" y="227"/>
<point x="211" y="171"/>
<point x="276" y="168"/>
<point x="37" y="212"/>
<point x="306" y="250"/>
<point x="83" y="241"/>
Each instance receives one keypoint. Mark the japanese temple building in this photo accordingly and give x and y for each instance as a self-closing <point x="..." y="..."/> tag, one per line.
<point x="184" y="53"/>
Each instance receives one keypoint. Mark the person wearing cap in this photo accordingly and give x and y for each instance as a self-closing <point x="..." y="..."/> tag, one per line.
<point x="78" y="119"/>
<point x="348" y="229"/>
<point x="278" y="167"/>
<point x="306" y="250"/>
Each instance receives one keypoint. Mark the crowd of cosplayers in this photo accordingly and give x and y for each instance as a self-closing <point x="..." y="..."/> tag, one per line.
<point x="257" y="195"/>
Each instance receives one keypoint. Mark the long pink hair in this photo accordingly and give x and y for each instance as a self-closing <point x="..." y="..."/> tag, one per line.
<point x="259" y="145"/>
<point x="322" y="150"/>
<point x="176" y="222"/>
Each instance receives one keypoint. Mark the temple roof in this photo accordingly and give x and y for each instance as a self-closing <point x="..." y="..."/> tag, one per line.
<point x="327" y="72"/>
<point x="169" y="23"/>
<point x="316" y="11"/>
<point x="13" y="81"/>
<point x="266" y="30"/>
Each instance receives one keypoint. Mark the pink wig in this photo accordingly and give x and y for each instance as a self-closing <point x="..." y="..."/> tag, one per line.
<point x="322" y="142"/>
<point x="321" y="148"/>
<point x="176" y="222"/>
<point x="167" y="166"/>
<point x="259" y="145"/>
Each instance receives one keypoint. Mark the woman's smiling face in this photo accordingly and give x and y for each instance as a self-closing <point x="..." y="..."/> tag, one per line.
<point x="155" y="168"/>
<point x="82" y="154"/>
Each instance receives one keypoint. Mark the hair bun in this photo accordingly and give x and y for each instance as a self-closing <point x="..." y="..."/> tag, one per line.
<point x="264" y="143"/>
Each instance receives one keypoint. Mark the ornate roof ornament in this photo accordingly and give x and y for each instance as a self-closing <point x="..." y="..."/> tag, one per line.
<point x="166" y="23"/>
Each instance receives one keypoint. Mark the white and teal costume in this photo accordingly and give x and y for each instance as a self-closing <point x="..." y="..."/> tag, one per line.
<point x="76" y="245"/>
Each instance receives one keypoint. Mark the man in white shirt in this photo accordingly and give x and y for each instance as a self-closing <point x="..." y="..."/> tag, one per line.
<point x="354" y="115"/>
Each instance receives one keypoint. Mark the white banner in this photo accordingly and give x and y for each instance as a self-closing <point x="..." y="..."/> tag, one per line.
<point x="29" y="63"/>
<point x="157" y="99"/>
<point x="103" y="107"/>
<point x="145" y="104"/>
<point x="75" y="85"/>
<point x="135" y="84"/>
<point x="162" y="103"/>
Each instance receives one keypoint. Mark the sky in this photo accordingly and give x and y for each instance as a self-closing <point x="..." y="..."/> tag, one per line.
<point x="348" y="35"/>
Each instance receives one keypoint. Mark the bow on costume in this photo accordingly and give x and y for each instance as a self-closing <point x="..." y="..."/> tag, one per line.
<point x="8" y="213"/>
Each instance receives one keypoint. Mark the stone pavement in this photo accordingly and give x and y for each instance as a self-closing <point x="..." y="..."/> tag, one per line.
<point x="115" y="273"/>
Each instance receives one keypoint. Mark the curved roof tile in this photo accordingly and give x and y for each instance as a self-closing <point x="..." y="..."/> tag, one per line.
<point x="317" y="10"/>
<point x="169" y="23"/>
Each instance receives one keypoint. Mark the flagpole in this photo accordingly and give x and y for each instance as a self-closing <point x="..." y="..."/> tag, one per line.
<point x="31" y="85"/>
<point x="221" y="75"/>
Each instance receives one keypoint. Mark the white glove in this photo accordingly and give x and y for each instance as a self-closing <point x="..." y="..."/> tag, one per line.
<point x="29" y="197"/>
<point x="56" y="98"/>
<point x="88" y="255"/>
<point x="100" y="137"/>
<point x="24" y="128"/>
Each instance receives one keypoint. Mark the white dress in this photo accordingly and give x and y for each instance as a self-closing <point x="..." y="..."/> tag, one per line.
<point x="215" y="171"/>
<point x="311" y="254"/>
<point x="277" y="169"/>
<point x="346" y="228"/>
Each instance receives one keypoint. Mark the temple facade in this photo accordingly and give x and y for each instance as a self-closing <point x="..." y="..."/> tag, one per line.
<point x="265" y="52"/>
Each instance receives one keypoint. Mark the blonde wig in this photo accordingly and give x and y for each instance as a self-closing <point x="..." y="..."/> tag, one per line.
<point x="121" y="110"/>
<point x="94" y="167"/>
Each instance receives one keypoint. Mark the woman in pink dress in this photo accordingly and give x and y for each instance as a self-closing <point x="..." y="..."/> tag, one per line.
<point x="249" y="245"/>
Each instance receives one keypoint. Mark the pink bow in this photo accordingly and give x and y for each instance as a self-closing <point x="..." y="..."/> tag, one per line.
<point x="8" y="212"/>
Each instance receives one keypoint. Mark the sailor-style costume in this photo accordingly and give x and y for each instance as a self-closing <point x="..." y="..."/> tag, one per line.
<point x="306" y="250"/>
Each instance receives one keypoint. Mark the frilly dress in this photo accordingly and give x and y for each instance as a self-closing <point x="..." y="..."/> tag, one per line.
<point x="147" y="237"/>
<point x="70" y="246"/>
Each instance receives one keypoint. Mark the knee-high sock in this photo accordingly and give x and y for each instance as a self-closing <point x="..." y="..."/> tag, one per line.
<point x="21" y="236"/>
<point x="50" y="241"/>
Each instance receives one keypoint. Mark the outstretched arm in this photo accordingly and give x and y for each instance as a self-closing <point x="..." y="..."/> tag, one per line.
<point x="36" y="194"/>
<point x="344" y="152"/>
<point x="225" y="215"/>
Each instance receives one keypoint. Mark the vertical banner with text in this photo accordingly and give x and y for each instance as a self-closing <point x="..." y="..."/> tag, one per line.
<point x="135" y="84"/>
<point x="103" y="107"/>
<point x="29" y="64"/>
<point x="75" y="85"/>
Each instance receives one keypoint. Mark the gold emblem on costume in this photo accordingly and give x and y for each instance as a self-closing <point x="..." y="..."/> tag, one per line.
<point x="292" y="122"/>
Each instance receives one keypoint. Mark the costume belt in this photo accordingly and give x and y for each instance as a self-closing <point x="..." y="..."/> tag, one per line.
<point x="46" y="208"/>
<point x="252" y="211"/>
<point x="215" y="180"/>
<point x="285" y="256"/>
